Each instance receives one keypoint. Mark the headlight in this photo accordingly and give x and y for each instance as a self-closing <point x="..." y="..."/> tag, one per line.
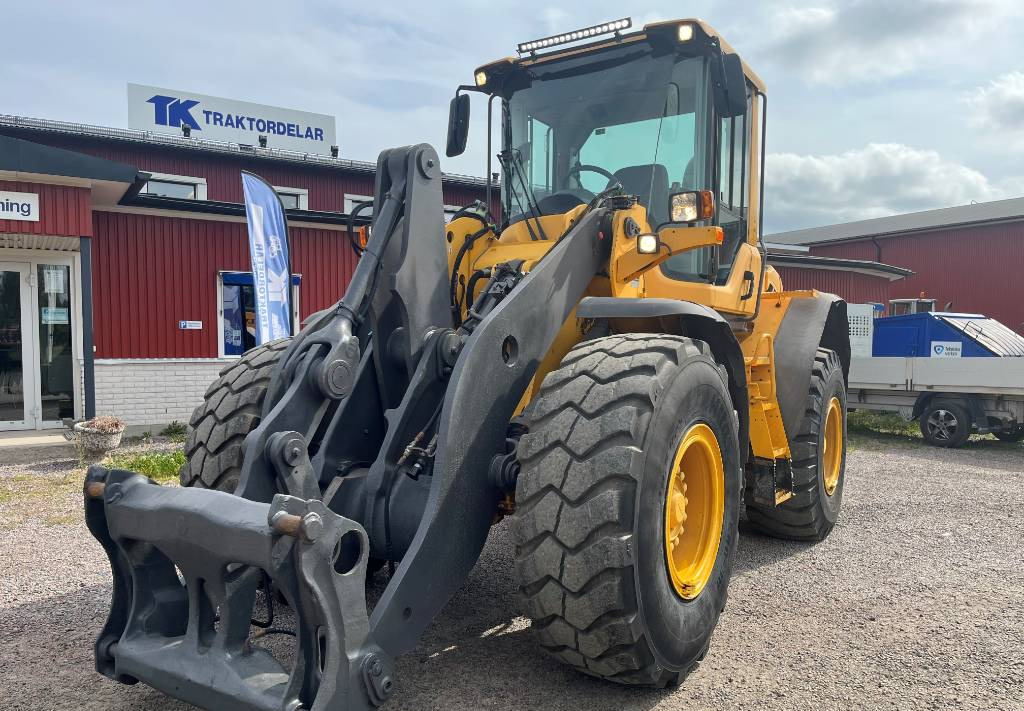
<point x="692" y="206"/>
<point x="685" y="32"/>
<point x="481" y="78"/>
<point x="684" y="207"/>
<point x="647" y="244"/>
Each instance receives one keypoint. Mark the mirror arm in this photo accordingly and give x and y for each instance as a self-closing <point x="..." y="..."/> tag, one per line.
<point x="490" y="110"/>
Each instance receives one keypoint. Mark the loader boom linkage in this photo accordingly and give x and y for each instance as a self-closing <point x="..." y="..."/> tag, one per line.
<point x="188" y="638"/>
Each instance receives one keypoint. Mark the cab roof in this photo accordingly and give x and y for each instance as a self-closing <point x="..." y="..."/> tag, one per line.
<point x="618" y="40"/>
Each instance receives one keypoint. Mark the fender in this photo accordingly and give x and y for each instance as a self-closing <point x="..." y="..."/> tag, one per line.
<point x="684" y="318"/>
<point x="815" y="321"/>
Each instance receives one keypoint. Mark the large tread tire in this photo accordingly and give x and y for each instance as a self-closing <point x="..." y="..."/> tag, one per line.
<point x="812" y="512"/>
<point x="590" y="560"/>
<point x="231" y="409"/>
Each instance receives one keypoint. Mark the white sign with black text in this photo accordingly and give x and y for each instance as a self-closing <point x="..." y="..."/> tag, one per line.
<point x="19" y="206"/>
<point x="946" y="349"/>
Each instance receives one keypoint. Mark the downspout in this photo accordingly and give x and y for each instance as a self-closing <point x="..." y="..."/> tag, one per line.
<point x="88" y="357"/>
<point x="878" y="249"/>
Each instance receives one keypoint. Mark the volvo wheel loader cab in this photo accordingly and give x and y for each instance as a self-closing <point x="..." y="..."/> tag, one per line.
<point x="607" y="361"/>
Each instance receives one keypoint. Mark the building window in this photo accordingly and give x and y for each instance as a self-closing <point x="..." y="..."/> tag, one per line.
<point x="902" y="307"/>
<point x="167" y="188"/>
<point x="175" y="186"/>
<point x="237" y="307"/>
<point x="353" y="201"/>
<point x="293" y="198"/>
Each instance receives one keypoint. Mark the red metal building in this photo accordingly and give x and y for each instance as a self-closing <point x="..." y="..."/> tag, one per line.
<point x="119" y="248"/>
<point x="967" y="258"/>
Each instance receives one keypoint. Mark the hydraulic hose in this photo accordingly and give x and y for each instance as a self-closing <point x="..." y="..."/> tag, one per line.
<point x="453" y="287"/>
<point x="473" y="212"/>
<point x="471" y="285"/>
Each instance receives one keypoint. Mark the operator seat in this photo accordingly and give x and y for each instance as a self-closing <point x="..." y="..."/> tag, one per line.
<point x="649" y="182"/>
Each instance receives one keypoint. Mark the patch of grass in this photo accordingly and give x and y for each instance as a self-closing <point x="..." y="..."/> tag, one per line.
<point x="161" y="466"/>
<point x="872" y="422"/>
<point x="63" y="519"/>
<point x="175" y="431"/>
<point x="38" y="496"/>
<point x="869" y="429"/>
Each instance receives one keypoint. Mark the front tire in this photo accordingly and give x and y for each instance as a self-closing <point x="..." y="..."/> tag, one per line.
<point x="597" y="525"/>
<point x="819" y="461"/>
<point x="231" y="409"/>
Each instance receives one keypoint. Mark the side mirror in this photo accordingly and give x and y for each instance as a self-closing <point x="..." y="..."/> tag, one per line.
<point x="735" y="94"/>
<point x="458" y="125"/>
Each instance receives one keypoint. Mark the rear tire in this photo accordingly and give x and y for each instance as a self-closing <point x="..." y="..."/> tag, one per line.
<point x="231" y="409"/>
<point x="1010" y="435"/>
<point x="812" y="511"/>
<point x="591" y="561"/>
<point x="945" y="423"/>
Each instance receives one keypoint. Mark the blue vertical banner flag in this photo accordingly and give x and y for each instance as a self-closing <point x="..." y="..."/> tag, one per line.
<point x="268" y="250"/>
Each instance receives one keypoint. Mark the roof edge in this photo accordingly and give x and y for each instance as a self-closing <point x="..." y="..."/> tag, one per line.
<point x="235" y="209"/>
<point x="883" y="227"/>
<point x="861" y="266"/>
<point x="149" y="138"/>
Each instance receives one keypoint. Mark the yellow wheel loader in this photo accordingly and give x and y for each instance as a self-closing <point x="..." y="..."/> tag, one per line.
<point x="609" y="363"/>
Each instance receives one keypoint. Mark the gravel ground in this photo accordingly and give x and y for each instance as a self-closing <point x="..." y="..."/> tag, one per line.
<point x="916" y="601"/>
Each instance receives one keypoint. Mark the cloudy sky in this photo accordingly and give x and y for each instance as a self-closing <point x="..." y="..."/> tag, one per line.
<point x="875" y="106"/>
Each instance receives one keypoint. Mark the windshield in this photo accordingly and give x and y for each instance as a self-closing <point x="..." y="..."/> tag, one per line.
<point x="631" y="116"/>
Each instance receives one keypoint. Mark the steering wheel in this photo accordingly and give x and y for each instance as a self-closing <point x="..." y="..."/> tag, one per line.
<point x="584" y="167"/>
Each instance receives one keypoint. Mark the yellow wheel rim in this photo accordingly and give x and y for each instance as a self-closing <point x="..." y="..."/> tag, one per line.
<point x="832" y="452"/>
<point x="694" y="509"/>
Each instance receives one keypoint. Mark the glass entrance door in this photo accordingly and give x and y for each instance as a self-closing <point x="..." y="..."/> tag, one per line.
<point x="17" y="391"/>
<point x="53" y="324"/>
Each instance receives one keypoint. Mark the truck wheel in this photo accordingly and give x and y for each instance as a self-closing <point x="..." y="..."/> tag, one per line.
<point x="628" y="504"/>
<point x="1010" y="435"/>
<point x="231" y="409"/>
<point x="819" y="461"/>
<point x="945" y="423"/>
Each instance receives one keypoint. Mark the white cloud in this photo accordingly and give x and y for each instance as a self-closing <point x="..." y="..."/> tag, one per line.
<point x="557" y="20"/>
<point x="865" y="41"/>
<point x="999" y="107"/>
<point x="877" y="180"/>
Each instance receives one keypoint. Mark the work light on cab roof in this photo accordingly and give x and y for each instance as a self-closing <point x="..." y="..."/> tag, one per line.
<point x="576" y="35"/>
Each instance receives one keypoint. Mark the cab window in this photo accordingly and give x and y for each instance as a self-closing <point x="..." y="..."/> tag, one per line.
<point x="733" y="186"/>
<point x="732" y="178"/>
<point x="542" y="151"/>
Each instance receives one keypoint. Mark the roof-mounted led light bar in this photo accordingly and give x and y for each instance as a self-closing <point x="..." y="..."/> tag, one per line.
<point x="567" y="37"/>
